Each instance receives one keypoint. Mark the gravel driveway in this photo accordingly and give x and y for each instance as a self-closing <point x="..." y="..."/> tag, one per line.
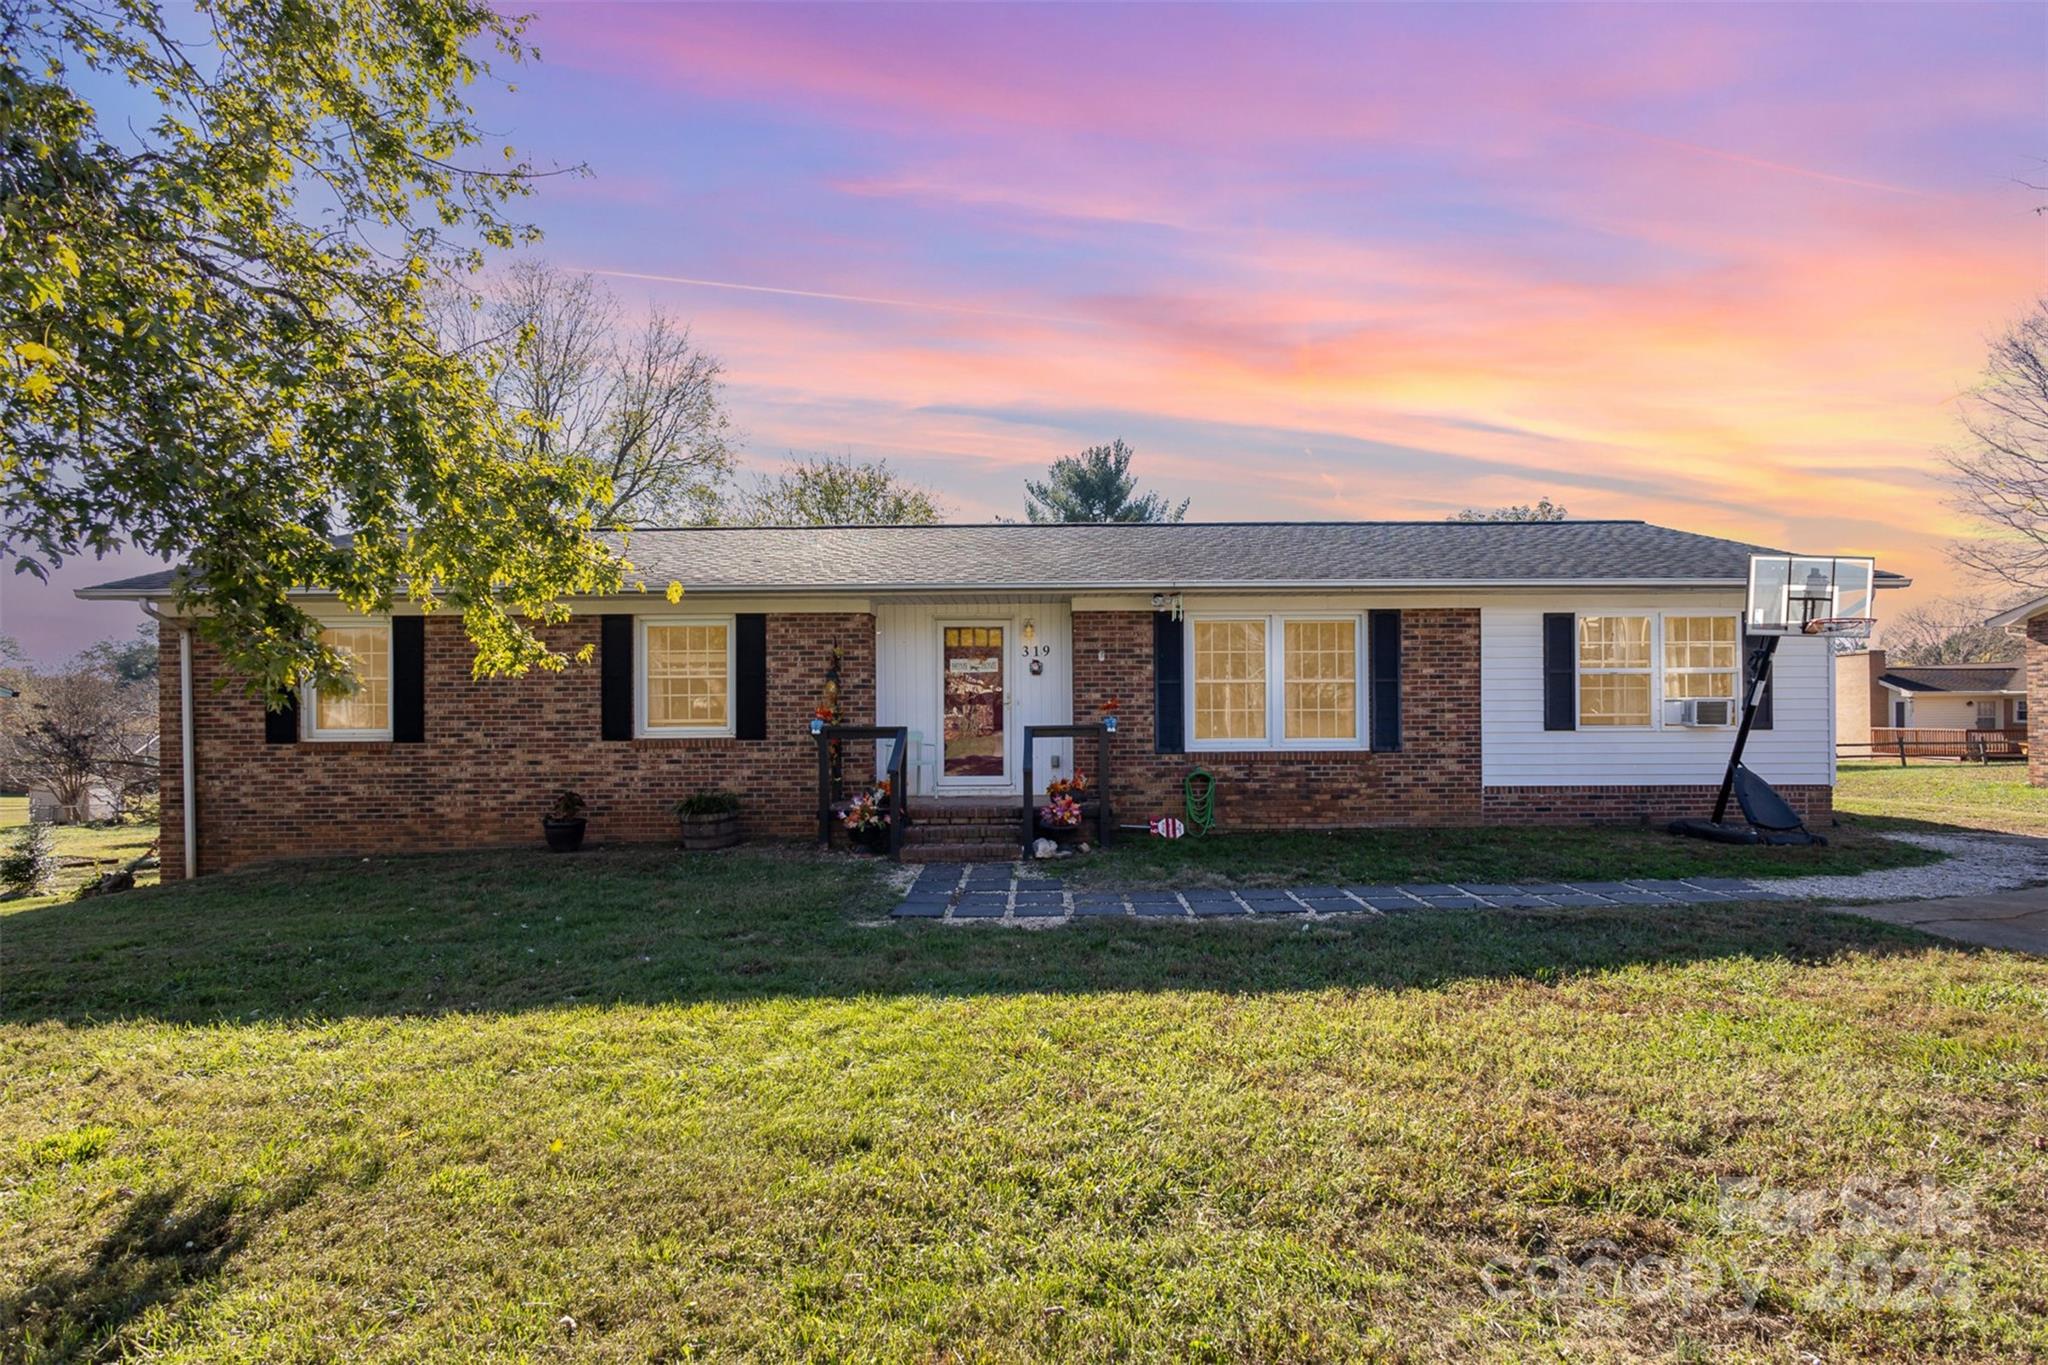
<point x="1977" y="863"/>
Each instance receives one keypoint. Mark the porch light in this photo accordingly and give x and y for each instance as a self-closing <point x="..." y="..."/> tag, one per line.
<point x="1030" y="630"/>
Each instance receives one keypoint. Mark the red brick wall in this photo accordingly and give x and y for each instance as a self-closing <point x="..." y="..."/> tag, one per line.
<point x="1616" y="805"/>
<point x="2037" y="696"/>
<point x="1434" y="780"/>
<point x="496" y="752"/>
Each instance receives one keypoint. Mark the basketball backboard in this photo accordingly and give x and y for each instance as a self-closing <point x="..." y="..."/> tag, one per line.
<point x="1811" y="595"/>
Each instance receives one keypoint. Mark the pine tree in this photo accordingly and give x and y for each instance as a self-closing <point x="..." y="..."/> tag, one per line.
<point x="1095" y="485"/>
<point x="30" y="867"/>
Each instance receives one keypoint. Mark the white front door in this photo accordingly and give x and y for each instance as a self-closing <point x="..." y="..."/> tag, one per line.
<point x="974" y="706"/>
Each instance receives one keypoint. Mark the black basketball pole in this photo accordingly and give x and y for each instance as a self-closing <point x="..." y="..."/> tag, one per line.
<point x="1761" y="676"/>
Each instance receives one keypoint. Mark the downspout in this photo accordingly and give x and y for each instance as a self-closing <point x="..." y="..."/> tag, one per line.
<point x="185" y="775"/>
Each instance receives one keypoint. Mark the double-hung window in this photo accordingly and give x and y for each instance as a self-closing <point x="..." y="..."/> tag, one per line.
<point x="1701" y="659"/>
<point x="1615" y="680"/>
<point x="363" y="712"/>
<point x="685" y="678"/>
<point x="1632" y="663"/>
<point x="1275" y="681"/>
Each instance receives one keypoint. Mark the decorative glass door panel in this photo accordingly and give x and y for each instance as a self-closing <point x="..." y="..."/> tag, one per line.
<point x="976" y="748"/>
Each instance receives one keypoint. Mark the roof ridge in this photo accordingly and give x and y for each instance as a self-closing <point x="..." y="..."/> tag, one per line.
<point x="1147" y="525"/>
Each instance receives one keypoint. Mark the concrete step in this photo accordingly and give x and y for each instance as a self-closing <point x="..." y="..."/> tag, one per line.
<point x="961" y="853"/>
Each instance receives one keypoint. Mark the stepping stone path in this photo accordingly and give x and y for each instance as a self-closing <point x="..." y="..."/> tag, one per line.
<point x="1018" y="893"/>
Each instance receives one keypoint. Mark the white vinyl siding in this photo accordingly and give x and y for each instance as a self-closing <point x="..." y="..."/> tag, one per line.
<point x="1516" y="751"/>
<point x="907" y="678"/>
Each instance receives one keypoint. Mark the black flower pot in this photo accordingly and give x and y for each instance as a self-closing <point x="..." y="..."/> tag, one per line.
<point x="870" y="840"/>
<point x="564" y="836"/>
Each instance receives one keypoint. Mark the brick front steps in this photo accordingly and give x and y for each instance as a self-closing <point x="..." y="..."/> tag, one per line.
<point x="958" y="830"/>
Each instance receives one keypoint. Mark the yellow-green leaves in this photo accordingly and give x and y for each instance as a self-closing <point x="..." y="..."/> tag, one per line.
<point x="233" y="375"/>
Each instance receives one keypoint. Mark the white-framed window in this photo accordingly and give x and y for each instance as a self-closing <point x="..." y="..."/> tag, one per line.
<point x="1636" y="667"/>
<point x="1275" y="680"/>
<point x="364" y="712"/>
<point x="1617" y="686"/>
<point x="684" y="678"/>
<point x="1702" y="658"/>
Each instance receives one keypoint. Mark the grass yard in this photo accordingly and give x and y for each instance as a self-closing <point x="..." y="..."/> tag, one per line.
<point x="1943" y="795"/>
<point x="636" y="1106"/>
<point x="1601" y="853"/>
<point x="85" y="851"/>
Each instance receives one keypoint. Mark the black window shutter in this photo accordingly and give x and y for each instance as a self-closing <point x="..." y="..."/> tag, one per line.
<point x="1169" y="685"/>
<point x="615" y="682"/>
<point x="750" y="676"/>
<point x="409" y="679"/>
<point x="1560" y="671"/>
<point x="1751" y="647"/>
<point x="282" y="725"/>
<point x="1383" y="668"/>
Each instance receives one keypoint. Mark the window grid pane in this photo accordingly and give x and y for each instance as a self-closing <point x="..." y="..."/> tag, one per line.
<point x="1614" y="642"/>
<point x="687" y="685"/>
<point x="1321" y="678"/>
<point x="1700" y="657"/>
<point x="368" y="707"/>
<point x="1230" y="680"/>
<point x="1614" y="699"/>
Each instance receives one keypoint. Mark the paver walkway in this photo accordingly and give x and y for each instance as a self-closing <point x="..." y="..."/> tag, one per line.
<point x="1015" y="893"/>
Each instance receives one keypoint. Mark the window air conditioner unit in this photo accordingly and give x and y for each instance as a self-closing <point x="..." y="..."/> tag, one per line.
<point x="1706" y="711"/>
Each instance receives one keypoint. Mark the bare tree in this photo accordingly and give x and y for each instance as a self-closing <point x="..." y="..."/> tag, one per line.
<point x="1543" y="509"/>
<point x="823" y="491"/>
<point x="2001" y="476"/>
<point x="1947" y="630"/>
<point x="77" y="733"/>
<point x="646" y="404"/>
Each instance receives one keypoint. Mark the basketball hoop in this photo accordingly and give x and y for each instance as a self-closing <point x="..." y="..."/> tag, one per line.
<point x="1850" y="627"/>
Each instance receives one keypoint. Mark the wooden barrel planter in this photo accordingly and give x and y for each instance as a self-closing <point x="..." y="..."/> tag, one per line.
<point x="703" y="832"/>
<point x="708" y="822"/>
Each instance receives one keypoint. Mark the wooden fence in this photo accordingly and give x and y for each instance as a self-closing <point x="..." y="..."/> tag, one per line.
<point x="1961" y="745"/>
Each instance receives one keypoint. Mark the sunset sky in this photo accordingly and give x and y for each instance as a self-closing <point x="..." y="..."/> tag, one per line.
<point x="1724" y="268"/>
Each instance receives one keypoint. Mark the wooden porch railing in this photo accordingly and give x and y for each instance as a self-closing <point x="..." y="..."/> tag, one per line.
<point x="899" y="759"/>
<point x="1105" y="823"/>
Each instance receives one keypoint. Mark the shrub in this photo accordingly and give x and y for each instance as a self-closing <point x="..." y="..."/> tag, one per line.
<point x="708" y="803"/>
<point x="30" y="867"/>
<point x="567" y="806"/>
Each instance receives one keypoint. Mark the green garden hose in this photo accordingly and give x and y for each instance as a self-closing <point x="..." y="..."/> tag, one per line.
<point x="1201" y="804"/>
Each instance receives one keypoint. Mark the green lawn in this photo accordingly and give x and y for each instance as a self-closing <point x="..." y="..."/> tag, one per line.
<point x="635" y="1105"/>
<point x="85" y="850"/>
<point x="1604" y="853"/>
<point x="1944" y="795"/>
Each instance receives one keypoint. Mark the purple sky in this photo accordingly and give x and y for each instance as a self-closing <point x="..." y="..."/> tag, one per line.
<point x="1721" y="267"/>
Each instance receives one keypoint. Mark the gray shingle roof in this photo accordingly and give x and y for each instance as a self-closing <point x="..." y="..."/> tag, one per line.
<point x="1189" y="555"/>
<point x="1958" y="678"/>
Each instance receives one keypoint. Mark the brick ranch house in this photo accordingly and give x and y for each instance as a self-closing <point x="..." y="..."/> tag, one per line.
<point x="1328" y="674"/>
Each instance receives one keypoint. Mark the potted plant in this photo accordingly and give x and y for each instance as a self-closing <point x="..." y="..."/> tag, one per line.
<point x="866" y="819"/>
<point x="709" y="820"/>
<point x="563" y="824"/>
<point x="1064" y="810"/>
<point x="1060" y="817"/>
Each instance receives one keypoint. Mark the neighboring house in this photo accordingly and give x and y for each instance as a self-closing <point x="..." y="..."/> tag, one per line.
<point x="1328" y="675"/>
<point x="1938" y="704"/>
